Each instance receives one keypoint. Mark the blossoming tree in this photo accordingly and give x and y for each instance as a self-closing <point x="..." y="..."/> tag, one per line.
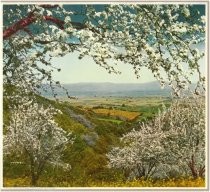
<point x="172" y="144"/>
<point x="33" y="133"/>
<point x="162" y="38"/>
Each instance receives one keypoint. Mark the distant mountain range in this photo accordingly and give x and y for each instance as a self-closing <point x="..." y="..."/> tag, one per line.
<point x="113" y="89"/>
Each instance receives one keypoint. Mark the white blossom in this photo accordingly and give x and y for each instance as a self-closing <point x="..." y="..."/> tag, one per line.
<point x="203" y="19"/>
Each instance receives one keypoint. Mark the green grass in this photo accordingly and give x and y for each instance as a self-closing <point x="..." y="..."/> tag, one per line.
<point x="111" y="120"/>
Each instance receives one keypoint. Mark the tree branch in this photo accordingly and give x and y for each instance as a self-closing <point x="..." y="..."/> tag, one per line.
<point x="201" y="171"/>
<point x="31" y="18"/>
<point x="18" y="26"/>
<point x="58" y="22"/>
<point x="192" y="167"/>
<point x="23" y="23"/>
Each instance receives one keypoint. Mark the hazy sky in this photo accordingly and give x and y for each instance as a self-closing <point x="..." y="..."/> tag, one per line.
<point x="74" y="70"/>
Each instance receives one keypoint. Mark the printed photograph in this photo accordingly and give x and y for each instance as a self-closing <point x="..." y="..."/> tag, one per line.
<point x="105" y="95"/>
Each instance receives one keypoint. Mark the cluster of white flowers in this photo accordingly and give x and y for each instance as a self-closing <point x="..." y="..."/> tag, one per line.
<point x="166" y="145"/>
<point x="32" y="128"/>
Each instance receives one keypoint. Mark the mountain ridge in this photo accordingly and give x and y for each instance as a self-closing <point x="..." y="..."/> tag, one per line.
<point x="114" y="89"/>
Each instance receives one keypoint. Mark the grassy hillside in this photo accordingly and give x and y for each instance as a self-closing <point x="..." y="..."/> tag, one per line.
<point x="95" y="134"/>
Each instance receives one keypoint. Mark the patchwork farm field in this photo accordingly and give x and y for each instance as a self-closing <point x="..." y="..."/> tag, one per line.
<point x="117" y="101"/>
<point x="118" y="109"/>
<point x="120" y="114"/>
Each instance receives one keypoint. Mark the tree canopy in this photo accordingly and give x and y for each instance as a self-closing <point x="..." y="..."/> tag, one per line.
<point x="162" y="38"/>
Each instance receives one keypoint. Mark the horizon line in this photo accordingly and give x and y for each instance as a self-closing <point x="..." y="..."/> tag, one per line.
<point x="108" y="82"/>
